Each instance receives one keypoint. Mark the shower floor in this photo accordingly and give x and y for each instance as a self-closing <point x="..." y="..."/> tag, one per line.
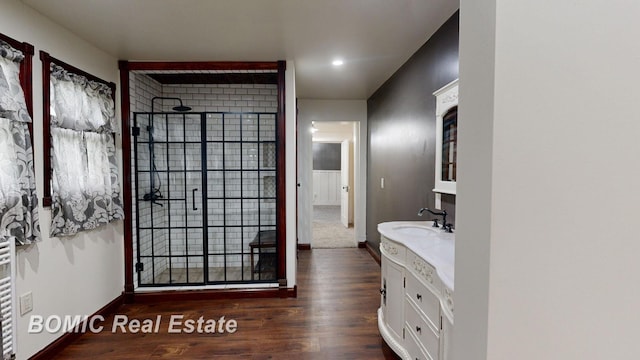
<point x="196" y="275"/>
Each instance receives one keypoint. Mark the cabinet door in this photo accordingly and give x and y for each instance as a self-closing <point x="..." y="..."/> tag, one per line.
<point x="445" y="338"/>
<point x="393" y="296"/>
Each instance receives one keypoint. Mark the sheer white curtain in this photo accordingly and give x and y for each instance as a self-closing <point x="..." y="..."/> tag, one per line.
<point x="18" y="198"/>
<point x="86" y="190"/>
<point x="80" y="104"/>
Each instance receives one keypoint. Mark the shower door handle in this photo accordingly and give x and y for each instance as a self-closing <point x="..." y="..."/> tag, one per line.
<point x="193" y="199"/>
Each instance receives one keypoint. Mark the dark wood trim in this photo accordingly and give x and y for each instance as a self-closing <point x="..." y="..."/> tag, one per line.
<point x="374" y="254"/>
<point x="281" y="172"/>
<point x="270" y="78"/>
<point x="127" y="66"/>
<point x="202" y="65"/>
<point x="26" y="80"/>
<point x="125" y="113"/>
<point x="26" y="48"/>
<point x="362" y="244"/>
<point x="46" y="115"/>
<point x="189" y="295"/>
<point x="51" y="350"/>
<point x="304" y="246"/>
<point x="46" y="129"/>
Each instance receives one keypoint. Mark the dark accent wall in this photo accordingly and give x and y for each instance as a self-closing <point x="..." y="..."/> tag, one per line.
<point x="326" y="156"/>
<point x="402" y="125"/>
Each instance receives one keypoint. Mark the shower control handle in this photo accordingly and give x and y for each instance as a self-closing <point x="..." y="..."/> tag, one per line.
<point x="193" y="198"/>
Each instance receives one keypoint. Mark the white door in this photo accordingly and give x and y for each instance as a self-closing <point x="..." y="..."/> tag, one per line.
<point x="346" y="213"/>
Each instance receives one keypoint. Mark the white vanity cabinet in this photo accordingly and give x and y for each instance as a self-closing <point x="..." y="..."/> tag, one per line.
<point x="416" y="307"/>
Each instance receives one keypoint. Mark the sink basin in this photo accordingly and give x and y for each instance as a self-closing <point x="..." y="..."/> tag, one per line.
<point x="420" y="231"/>
<point x="415" y="230"/>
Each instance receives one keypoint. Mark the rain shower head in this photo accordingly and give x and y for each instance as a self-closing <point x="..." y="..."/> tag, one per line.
<point x="179" y="108"/>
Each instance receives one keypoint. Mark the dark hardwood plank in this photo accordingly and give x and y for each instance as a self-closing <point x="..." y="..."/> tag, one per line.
<point x="333" y="317"/>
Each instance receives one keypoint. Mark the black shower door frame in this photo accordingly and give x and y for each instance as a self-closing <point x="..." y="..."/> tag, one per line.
<point x="141" y="192"/>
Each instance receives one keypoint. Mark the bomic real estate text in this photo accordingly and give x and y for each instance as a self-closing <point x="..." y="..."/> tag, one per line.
<point x="176" y="324"/>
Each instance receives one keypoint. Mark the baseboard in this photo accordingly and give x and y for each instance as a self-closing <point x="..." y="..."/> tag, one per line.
<point x="374" y="254"/>
<point x="304" y="246"/>
<point x="66" y="339"/>
<point x="217" y="294"/>
<point x="362" y="244"/>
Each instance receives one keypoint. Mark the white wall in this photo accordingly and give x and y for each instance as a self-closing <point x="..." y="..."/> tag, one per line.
<point x="290" y="177"/>
<point x="327" y="187"/>
<point x="76" y="275"/>
<point x="547" y="242"/>
<point x="330" y="110"/>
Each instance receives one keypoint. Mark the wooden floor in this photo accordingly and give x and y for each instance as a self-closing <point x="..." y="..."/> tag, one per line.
<point x="333" y="317"/>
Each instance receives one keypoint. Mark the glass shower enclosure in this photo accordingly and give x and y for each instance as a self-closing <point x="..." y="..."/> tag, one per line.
<point x="205" y="198"/>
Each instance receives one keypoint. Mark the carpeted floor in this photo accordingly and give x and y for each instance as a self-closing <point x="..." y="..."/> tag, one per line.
<point x="328" y="231"/>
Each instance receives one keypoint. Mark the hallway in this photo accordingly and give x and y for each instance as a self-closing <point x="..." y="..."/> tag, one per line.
<point x="328" y="230"/>
<point x="333" y="317"/>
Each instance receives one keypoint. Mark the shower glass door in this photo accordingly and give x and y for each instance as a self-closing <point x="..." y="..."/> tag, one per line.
<point x="241" y="196"/>
<point x="204" y="198"/>
<point x="170" y="236"/>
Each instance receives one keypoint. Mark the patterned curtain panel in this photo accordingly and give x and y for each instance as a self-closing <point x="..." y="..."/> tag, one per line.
<point x="80" y="104"/>
<point x="18" y="197"/>
<point x="12" y="102"/>
<point x="86" y="191"/>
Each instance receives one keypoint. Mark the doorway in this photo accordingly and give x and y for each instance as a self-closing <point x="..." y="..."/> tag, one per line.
<point x="310" y="111"/>
<point x="333" y="187"/>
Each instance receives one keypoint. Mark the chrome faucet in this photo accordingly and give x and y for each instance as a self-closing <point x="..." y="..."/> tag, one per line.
<point x="445" y="226"/>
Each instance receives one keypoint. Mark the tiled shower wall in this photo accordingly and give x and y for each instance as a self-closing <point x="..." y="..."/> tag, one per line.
<point x="211" y="98"/>
<point x="226" y="98"/>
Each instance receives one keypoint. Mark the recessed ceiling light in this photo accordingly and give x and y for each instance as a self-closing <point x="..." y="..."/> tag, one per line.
<point x="337" y="62"/>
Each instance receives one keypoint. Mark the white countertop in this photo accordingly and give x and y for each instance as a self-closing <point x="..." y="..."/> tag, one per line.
<point x="434" y="245"/>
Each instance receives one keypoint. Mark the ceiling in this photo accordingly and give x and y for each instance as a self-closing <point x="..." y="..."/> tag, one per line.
<point x="373" y="37"/>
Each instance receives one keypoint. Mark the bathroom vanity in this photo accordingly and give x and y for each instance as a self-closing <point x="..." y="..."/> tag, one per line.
<point x="415" y="317"/>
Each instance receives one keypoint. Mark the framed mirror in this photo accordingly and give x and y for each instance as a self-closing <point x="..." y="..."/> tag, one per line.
<point x="446" y="138"/>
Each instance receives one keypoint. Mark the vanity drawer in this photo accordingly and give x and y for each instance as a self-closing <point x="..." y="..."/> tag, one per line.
<point x="424" y="299"/>
<point x="412" y="347"/>
<point x="425" y="334"/>
<point x="392" y="249"/>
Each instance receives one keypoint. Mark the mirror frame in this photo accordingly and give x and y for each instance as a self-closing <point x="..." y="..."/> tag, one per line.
<point x="446" y="99"/>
